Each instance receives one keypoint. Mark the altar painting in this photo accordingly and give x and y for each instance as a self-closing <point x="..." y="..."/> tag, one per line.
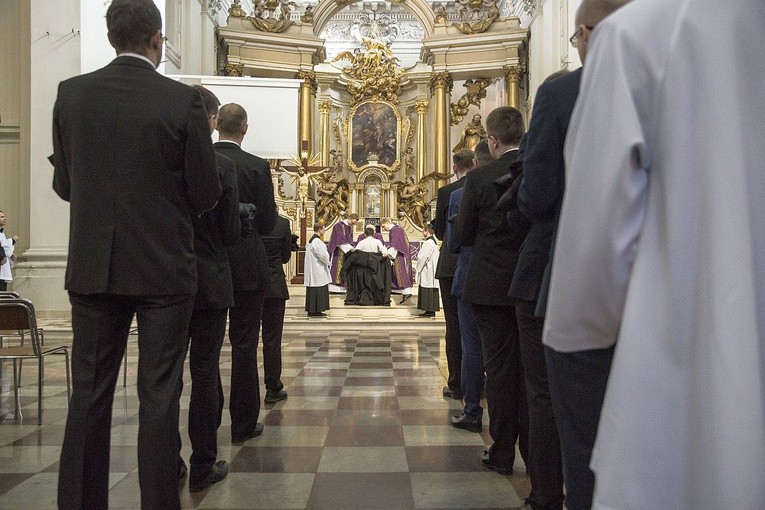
<point x="375" y="130"/>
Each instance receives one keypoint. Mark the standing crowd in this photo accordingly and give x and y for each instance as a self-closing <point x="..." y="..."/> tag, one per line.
<point x="602" y="274"/>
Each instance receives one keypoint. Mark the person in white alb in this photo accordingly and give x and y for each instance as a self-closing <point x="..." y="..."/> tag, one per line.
<point x="7" y="246"/>
<point x="661" y="251"/>
<point x="370" y="244"/>
<point x="427" y="260"/>
<point x="317" y="276"/>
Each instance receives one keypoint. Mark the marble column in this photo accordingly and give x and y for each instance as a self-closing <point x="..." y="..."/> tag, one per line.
<point x="421" y="105"/>
<point x="441" y="86"/>
<point x="325" y="107"/>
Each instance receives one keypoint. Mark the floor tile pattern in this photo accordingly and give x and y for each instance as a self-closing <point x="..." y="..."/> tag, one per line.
<point x="364" y="427"/>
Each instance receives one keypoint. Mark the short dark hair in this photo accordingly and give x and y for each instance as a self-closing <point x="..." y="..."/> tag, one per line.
<point x="506" y="125"/>
<point x="231" y="119"/>
<point x="463" y="159"/>
<point x="132" y="23"/>
<point x="369" y="231"/>
<point x="428" y="228"/>
<point x="556" y="75"/>
<point x="353" y="216"/>
<point x="211" y="100"/>
<point x="318" y="226"/>
<point x="482" y="152"/>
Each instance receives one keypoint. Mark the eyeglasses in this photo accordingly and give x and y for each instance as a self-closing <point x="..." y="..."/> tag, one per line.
<point x="164" y="38"/>
<point x="574" y="40"/>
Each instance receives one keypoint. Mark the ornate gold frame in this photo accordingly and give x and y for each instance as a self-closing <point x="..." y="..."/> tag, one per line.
<point x="390" y="170"/>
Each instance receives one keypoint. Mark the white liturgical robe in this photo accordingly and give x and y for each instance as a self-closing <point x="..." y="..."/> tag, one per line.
<point x="317" y="263"/>
<point x="661" y="249"/>
<point x="371" y="245"/>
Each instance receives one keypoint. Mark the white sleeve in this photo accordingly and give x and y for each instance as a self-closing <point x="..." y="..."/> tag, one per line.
<point x="603" y="205"/>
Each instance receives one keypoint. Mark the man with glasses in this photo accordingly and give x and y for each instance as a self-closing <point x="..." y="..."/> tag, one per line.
<point x="134" y="157"/>
<point x="577" y="380"/>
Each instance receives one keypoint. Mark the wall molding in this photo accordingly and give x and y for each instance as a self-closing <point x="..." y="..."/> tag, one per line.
<point x="10" y="134"/>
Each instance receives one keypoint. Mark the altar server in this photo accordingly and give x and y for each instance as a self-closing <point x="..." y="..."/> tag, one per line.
<point x="317" y="277"/>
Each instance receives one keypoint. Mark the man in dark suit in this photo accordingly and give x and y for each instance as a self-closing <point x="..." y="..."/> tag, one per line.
<point x="447" y="262"/>
<point x="249" y="270"/>
<point x="213" y="231"/>
<point x="496" y="243"/>
<point x="577" y="380"/>
<point x="545" y="460"/>
<point x="278" y="245"/>
<point x="133" y="156"/>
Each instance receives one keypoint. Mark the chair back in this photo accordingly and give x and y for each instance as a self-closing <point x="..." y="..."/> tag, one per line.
<point x="19" y="314"/>
<point x="9" y="294"/>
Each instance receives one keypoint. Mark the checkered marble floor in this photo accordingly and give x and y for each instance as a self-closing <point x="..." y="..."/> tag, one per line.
<point x="364" y="427"/>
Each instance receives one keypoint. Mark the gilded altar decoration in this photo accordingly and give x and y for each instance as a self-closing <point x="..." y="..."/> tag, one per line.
<point x="441" y="80"/>
<point x="440" y="15"/>
<point x="333" y="195"/>
<point x="473" y="133"/>
<point x="476" y="16"/>
<point x="374" y="74"/>
<point x="236" y="11"/>
<point x="309" y="78"/>
<point x="476" y="90"/>
<point x="374" y="132"/>
<point x="307" y="16"/>
<point x="305" y="175"/>
<point x="234" y="69"/>
<point x="272" y="15"/>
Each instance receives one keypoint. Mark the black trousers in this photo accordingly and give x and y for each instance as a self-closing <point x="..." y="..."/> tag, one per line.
<point x="3" y="285"/>
<point x="505" y="393"/>
<point x="453" y="342"/>
<point x="273" y="324"/>
<point x="100" y="325"/>
<point x="545" y="463"/>
<point x="243" y="332"/>
<point x="577" y="386"/>
<point x="207" y="329"/>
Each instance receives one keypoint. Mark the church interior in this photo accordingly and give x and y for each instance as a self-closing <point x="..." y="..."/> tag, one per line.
<point x="358" y="106"/>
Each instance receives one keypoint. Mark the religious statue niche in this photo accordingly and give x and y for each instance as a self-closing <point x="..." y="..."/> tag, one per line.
<point x="473" y="133"/>
<point x="374" y="132"/>
<point x="372" y="196"/>
<point x="333" y="195"/>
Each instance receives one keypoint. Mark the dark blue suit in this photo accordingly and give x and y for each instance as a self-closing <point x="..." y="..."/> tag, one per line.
<point x="471" y="366"/>
<point x="577" y="380"/>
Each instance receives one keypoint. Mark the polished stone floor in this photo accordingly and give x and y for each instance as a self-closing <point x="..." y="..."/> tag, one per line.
<point x="364" y="427"/>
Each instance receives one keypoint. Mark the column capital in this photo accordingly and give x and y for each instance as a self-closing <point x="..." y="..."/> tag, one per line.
<point x="513" y="73"/>
<point x="325" y="106"/>
<point x="421" y="106"/>
<point x="233" y="69"/>
<point x="441" y="80"/>
<point x="309" y="79"/>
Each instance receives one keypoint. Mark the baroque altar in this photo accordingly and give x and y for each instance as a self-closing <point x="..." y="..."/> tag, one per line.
<point x="387" y="92"/>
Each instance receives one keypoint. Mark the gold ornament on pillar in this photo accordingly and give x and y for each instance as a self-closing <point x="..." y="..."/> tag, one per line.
<point x="441" y="85"/>
<point x="325" y="108"/>
<point x="236" y="11"/>
<point x="421" y="106"/>
<point x="476" y="90"/>
<point x="307" y="91"/>
<point x="233" y="69"/>
<point x="513" y="79"/>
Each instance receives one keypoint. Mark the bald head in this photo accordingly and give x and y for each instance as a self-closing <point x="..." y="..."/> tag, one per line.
<point x="232" y="122"/>
<point x="589" y="14"/>
<point x="592" y="12"/>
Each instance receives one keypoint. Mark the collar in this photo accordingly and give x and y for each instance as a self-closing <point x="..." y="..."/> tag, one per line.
<point x="136" y="55"/>
<point x="508" y="151"/>
<point x="231" y="142"/>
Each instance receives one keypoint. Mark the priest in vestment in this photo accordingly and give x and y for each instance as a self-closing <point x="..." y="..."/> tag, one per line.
<point x="661" y="251"/>
<point x="367" y="272"/>
<point x="340" y="243"/>
<point x="398" y="248"/>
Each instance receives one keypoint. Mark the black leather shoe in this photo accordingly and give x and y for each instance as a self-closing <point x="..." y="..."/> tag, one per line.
<point x="452" y="394"/>
<point x="217" y="472"/>
<point x="406" y="298"/>
<point x="258" y="430"/>
<point x="274" y="396"/>
<point x="427" y="314"/>
<point x="467" y="422"/>
<point x="487" y="462"/>
<point x="320" y="314"/>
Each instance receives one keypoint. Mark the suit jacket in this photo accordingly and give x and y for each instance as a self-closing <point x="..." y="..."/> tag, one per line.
<point x="213" y="232"/>
<point x="249" y="263"/>
<point x="495" y="241"/>
<point x="541" y="191"/>
<point x="132" y="154"/>
<point x="462" y="252"/>
<point x="447" y="261"/>
<point x="278" y="244"/>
